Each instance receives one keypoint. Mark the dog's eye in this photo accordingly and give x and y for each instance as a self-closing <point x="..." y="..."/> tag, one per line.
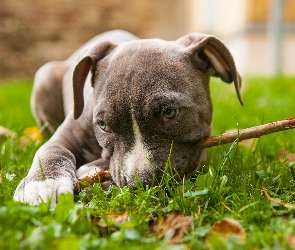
<point x="103" y="126"/>
<point x="169" y="114"/>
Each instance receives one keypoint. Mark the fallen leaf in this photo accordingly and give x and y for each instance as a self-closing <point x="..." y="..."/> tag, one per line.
<point x="4" y="132"/>
<point x="122" y="218"/>
<point x="291" y="157"/>
<point x="291" y="241"/>
<point x="175" y="223"/>
<point x="94" y="177"/>
<point x="228" y="227"/>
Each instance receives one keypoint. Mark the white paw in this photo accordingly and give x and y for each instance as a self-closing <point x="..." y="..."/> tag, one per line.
<point x="87" y="170"/>
<point x="35" y="192"/>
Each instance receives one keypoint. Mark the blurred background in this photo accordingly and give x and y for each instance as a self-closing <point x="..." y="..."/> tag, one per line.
<point x="259" y="33"/>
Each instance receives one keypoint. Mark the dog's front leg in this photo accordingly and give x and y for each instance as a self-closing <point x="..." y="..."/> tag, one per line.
<point x="52" y="173"/>
<point x="53" y="170"/>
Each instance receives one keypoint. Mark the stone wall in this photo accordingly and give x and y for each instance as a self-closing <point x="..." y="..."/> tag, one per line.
<point x="33" y="32"/>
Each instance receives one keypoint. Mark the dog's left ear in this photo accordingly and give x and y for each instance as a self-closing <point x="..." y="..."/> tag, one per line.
<point x="87" y="63"/>
<point x="207" y="51"/>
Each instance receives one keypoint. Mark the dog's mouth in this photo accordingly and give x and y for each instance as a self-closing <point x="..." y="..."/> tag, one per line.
<point x="135" y="181"/>
<point x="141" y="171"/>
<point x="150" y="179"/>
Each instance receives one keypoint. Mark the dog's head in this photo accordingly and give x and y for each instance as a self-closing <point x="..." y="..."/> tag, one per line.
<point x="148" y="94"/>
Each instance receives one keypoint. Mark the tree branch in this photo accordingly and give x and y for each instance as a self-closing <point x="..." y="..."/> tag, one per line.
<point x="253" y="132"/>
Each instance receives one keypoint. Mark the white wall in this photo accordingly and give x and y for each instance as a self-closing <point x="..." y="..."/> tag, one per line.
<point x="253" y="52"/>
<point x="219" y="17"/>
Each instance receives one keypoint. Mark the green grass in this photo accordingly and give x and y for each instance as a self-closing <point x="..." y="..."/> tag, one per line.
<point x="15" y="105"/>
<point x="232" y="188"/>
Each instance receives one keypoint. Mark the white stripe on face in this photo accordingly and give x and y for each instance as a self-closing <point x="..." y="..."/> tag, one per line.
<point x="136" y="159"/>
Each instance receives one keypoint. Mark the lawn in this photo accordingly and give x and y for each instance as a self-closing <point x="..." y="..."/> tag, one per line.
<point x="232" y="184"/>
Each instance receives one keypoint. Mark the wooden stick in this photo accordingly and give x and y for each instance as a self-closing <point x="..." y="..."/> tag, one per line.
<point x="253" y="132"/>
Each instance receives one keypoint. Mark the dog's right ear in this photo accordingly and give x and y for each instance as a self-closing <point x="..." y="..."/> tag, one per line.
<point x="87" y="63"/>
<point x="208" y="51"/>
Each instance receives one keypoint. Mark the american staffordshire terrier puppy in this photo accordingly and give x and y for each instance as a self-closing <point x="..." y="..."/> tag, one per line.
<point x="118" y="103"/>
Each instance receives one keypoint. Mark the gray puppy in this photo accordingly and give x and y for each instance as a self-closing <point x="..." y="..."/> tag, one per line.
<point x="140" y="96"/>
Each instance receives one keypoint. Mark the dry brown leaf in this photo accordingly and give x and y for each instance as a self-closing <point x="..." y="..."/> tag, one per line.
<point x="291" y="157"/>
<point x="291" y="241"/>
<point x="122" y="218"/>
<point x="4" y="132"/>
<point x="228" y="227"/>
<point x="176" y="222"/>
<point x="97" y="177"/>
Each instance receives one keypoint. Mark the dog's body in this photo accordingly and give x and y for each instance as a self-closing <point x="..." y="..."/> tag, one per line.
<point x="141" y="96"/>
